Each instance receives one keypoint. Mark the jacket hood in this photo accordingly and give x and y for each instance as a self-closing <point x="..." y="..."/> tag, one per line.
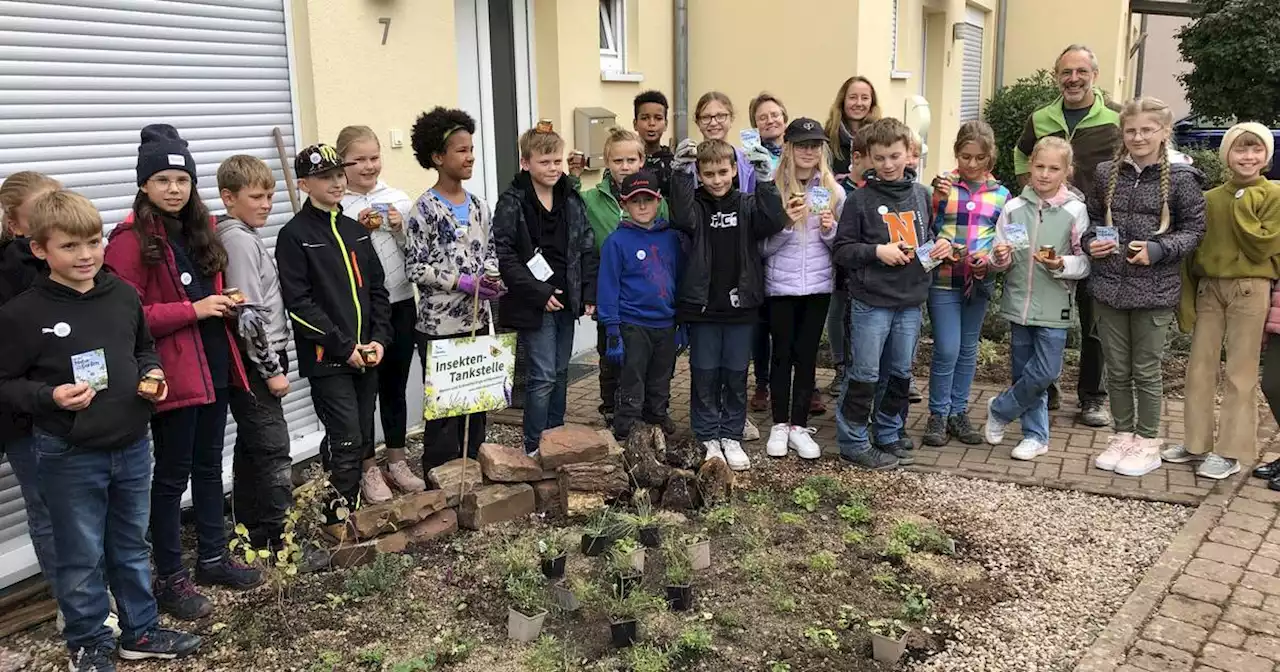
<point x="722" y="203"/>
<point x="522" y="183"/>
<point x="1175" y="166"/>
<point x="1065" y="195"/>
<point x="658" y="225"/>
<point x="895" y="188"/>
<point x="18" y="250"/>
<point x="102" y="284"/>
<point x="227" y="223"/>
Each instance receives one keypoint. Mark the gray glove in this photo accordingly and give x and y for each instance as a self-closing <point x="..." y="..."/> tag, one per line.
<point x="686" y="154"/>
<point x="761" y="163"/>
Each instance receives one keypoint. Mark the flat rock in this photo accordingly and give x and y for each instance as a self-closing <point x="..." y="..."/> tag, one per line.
<point x="437" y="525"/>
<point x="462" y="472"/>
<point x="362" y="553"/>
<point x="715" y="479"/>
<point x="682" y="492"/>
<point x="607" y="477"/>
<point x="402" y="512"/>
<point x="569" y="444"/>
<point x="508" y="465"/>
<point x="547" y="498"/>
<point x="496" y="503"/>
<point x="582" y="504"/>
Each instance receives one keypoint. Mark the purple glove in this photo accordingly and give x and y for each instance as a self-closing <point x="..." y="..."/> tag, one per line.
<point x="467" y="284"/>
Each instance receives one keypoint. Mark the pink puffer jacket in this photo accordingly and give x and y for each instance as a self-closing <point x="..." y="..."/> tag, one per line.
<point x="1273" y="315"/>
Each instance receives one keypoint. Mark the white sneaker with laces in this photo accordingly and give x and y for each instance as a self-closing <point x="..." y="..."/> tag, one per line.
<point x="777" y="446"/>
<point x="1142" y="459"/>
<point x="801" y="440"/>
<point x="1029" y="449"/>
<point x="994" y="430"/>
<point x="713" y="450"/>
<point x="735" y="455"/>
<point x="749" y="431"/>
<point x="1119" y="446"/>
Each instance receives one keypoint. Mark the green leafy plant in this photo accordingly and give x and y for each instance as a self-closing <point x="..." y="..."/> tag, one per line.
<point x="516" y="557"/>
<point x="825" y="486"/>
<point x="642" y="516"/>
<point x="693" y="643"/>
<point x="551" y="545"/>
<point x="854" y="537"/>
<point x="600" y="522"/>
<point x="372" y="658"/>
<point x="636" y="604"/>
<point x="916" y="604"/>
<point x="451" y="647"/>
<point x="895" y="548"/>
<point x="755" y="566"/>
<point x="1231" y="48"/>
<point x="920" y="538"/>
<point x="789" y="518"/>
<point x="885" y="579"/>
<point x="424" y="663"/>
<point x="847" y="617"/>
<point x="550" y="655"/>
<point x="822" y="562"/>
<point x="806" y="498"/>
<point x="823" y="637"/>
<point x="887" y="627"/>
<point x="647" y="658"/>
<point x="854" y="512"/>
<point x="326" y="661"/>
<point x="620" y="555"/>
<point x="677" y="567"/>
<point x="784" y="604"/>
<point x="527" y="591"/>
<point x="779" y="666"/>
<point x="721" y="517"/>
<point x="1007" y="111"/>
<point x="759" y="499"/>
<point x="383" y="575"/>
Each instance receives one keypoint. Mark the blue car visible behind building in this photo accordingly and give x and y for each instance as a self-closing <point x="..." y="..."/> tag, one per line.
<point x="1204" y="132"/>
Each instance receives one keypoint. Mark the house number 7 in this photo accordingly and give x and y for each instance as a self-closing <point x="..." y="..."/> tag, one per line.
<point x="386" y="27"/>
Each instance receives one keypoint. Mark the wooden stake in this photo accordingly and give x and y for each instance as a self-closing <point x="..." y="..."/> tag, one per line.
<point x="284" y="168"/>
<point x="466" y="426"/>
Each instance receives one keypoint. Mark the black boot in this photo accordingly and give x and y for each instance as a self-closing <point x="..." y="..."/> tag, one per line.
<point x="935" y="432"/>
<point x="1268" y="471"/>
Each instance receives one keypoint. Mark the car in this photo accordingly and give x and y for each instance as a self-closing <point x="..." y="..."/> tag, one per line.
<point x="1196" y="131"/>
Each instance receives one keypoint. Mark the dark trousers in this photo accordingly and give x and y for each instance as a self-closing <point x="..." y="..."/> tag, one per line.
<point x="795" y="323"/>
<point x="1092" y="384"/>
<point x="393" y="373"/>
<point x="644" y="387"/>
<point x="262" y="489"/>
<point x="345" y="404"/>
<point x="760" y="347"/>
<point x="718" y="358"/>
<point x="442" y="439"/>
<point x="1271" y="373"/>
<point x="188" y="447"/>
<point x="608" y="373"/>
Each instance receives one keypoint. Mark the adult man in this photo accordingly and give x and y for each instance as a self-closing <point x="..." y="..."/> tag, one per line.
<point x="1092" y="125"/>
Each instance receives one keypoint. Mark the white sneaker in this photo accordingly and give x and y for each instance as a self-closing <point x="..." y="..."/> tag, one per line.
<point x="1028" y="449"/>
<point x="113" y="624"/>
<point x="1142" y="459"/>
<point x="1119" y="446"/>
<point x="994" y="430"/>
<point x="777" y="446"/>
<point x="734" y="455"/>
<point x="713" y="450"/>
<point x="749" y="431"/>
<point x="801" y="440"/>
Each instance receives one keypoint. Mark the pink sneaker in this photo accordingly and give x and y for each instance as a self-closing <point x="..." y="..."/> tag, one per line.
<point x="373" y="489"/>
<point x="1142" y="460"/>
<point x="403" y="479"/>
<point x="1118" y="447"/>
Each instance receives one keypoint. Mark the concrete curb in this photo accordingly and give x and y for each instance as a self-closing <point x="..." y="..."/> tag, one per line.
<point x="1180" y="499"/>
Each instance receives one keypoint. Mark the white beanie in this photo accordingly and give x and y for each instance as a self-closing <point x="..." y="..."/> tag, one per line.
<point x="1263" y="133"/>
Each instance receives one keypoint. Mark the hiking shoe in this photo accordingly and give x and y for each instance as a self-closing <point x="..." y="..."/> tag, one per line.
<point x="162" y="644"/>
<point x="1055" y="397"/>
<point x="994" y="433"/>
<point x="373" y="488"/>
<point x="760" y="400"/>
<point x="801" y="440"/>
<point x="959" y="427"/>
<point x="1179" y="455"/>
<point x="713" y="450"/>
<point x="228" y="573"/>
<point x="1217" y="467"/>
<point x="99" y="658"/>
<point x="777" y="446"/>
<point x="1268" y="471"/>
<point x="903" y="449"/>
<point x="668" y="426"/>
<point x="178" y="597"/>
<point x="403" y="478"/>
<point x="1143" y="458"/>
<point x="1119" y="446"/>
<point x="913" y="393"/>
<point x="1093" y="413"/>
<point x="816" y="405"/>
<point x="837" y="382"/>
<point x="935" y="432"/>
<point x="1029" y="449"/>
<point x="749" y="431"/>
<point x="734" y="455"/>
<point x="872" y="458"/>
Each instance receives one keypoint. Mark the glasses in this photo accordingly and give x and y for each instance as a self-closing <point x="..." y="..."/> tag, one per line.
<point x="717" y="118"/>
<point x="164" y="182"/>
<point x="1143" y="133"/>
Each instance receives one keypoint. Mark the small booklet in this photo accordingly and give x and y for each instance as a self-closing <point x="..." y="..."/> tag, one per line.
<point x="922" y="253"/>
<point x="1016" y="236"/>
<point x="1105" y="233"/>
<point x="750" y="138"/>
<point x="91" y="368"/>
<point x="819" y="199"/>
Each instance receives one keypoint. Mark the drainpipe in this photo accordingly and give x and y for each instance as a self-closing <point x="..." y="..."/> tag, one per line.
<point x="681" y="99"/>
<point x="1142" y="57"/>
<point x="1002" y="22"/>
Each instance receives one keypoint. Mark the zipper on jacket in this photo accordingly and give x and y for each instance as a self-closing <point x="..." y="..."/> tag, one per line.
<point x="351" y="278"/>
<point x="1031" y="267"/>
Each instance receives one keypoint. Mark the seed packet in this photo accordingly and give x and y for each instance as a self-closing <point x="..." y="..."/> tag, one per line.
<point x="1016" y="236"/>
<point x="922" y="253"/>
<point x="1105" y="233"/>
<point x="819" y="199"/>
<point x="750" y="138"/>
<point x="91" y="368"/>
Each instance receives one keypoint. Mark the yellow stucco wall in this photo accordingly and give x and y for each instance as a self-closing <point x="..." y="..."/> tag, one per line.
<point x="1038" y="30"/>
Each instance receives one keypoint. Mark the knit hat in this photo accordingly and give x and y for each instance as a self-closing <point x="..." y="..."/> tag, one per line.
<point x="161" y="149"/>
<point x="1264" y="133"/>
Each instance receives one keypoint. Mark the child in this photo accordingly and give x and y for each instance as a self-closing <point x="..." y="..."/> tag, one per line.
<point x="1271" y="377"/>
<point x="714" y="115"/>
<point x="548" y="259"/>
<point x="1228" y="294"/>
<point x="880" y="230"/>
<point x="1038" y="291"/>
<point x="638" y="268"/>
<point x="77" y="351"/>
<point x="167" y="250"/>
<point x="262" y="489"/>
<point x="651" y="124"/>
<point x="1156" y="211"/>
<point x="966" y="202"/>
<point x="838" y="309"/>
<point x="856" y="106"/>
<point x="721" y="289"/>
<point x="381" y="210"/>
<point x="799" y="275"/>
<point x="331" y="284"/>
<point x="450" y="248"/>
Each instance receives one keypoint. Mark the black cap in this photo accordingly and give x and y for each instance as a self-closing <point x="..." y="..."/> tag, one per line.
<point x="643" y="182"/>
<point x="162" y="149"/>
<point x="317" y="159"/>
<point x="804" y="129"/>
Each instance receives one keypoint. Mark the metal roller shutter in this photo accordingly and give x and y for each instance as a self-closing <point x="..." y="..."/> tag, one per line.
<point x="80" y="78"/>
<point x="971" y="78"/>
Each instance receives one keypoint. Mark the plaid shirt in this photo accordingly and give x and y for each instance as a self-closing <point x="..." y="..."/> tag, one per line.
<point x="968" y="216"/>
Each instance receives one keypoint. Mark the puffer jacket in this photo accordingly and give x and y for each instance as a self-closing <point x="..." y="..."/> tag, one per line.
<point x="797" y="260"/>
<point x="1135" y="213"/>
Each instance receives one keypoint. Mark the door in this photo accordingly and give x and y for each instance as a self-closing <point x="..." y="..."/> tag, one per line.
<point x="971" y="78"/>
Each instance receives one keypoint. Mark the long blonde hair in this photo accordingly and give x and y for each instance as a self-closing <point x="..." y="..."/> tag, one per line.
<point x="1161" y="111"/>
<point x="786" y="178"/>
<point x="835" y="117"/>
<point x="15" y="190"/>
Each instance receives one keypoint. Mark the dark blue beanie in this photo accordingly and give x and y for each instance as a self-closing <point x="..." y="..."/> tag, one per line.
<point x="161" y="149"/>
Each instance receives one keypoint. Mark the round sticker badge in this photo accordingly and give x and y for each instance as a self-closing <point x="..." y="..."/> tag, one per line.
<point x="883" y="210"/>
<point x="315" y="158"/>
<point x="62" y="330"/>
<point x="185" y="278"/>
<point x="1240" y="193"/>
<point x="640" y="255"/>
<point x="971" y="205"/>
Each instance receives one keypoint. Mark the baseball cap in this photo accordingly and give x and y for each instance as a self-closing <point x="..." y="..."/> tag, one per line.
<point x="316" y="159"/>
<point x="643" y="182"/>
<point x="804" y="129"/>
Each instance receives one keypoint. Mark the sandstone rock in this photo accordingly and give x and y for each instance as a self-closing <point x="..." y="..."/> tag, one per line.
<point x="569" y="444"/>
<point x="494" y="504"/>
<point x="641" y="456"/>
<point x="716" y="481"/>
<point x="508" y="465"/>
<point x="547" y="498"/>
<point x="397" y="514"/>
<point x="435" y="526"/>
<point x="354" y="555"/>
<point x="582" y="504"/>
<point x="683" y="493"/>
<point x="684" y="453"/>
<point x="449" y="477"/>
<point x="606" y="477"/>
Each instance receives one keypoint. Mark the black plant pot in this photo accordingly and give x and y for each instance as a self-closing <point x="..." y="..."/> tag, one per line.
<point x="623" y="584"/>
<point x="593" y="545"/>
<point x="680" y="597"/>
<point x="651" y="536"/>
<point x="623" y="633"/>
<point x="554" y="568"/>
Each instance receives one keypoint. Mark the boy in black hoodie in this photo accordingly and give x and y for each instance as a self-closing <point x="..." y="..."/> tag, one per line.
<point x="331" y="284"/>
<point x="651" y="123"/>
<point x="548" y="260"/>
<point x="722" y="286"/>
<point x="883" y="226"/>
<point x="81" y="362"/>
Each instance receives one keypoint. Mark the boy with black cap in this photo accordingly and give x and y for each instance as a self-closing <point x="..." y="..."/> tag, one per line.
<point x="332" y="285"/>
<point x="636" y="295"/>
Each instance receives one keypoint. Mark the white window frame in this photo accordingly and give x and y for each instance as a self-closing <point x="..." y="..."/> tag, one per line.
<point x="894" y="71"/>
<point x="613" y="17"/>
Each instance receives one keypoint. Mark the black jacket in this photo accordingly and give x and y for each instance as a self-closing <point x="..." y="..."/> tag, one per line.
<point x="659" y="163"/>
<point x="19" y="268"/>
<point x="332" y="285"/>
<point x="525" y="302"/>
<point x="45" y="327"/>
<point x="881" y="213"/>
<point x="760" y="215"/>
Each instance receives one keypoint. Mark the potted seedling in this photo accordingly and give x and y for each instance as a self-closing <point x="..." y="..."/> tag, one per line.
<point x="595" y="534"/>
<point x="551" y="553"/>
<point x="698" y="548"/>
<point x="645" y="523"/>
<point x="527" y="609"/>
<point x="571" y="594"/>
<point x="625" y="612"/>
<point x="888" y="639"/>
<point x="679" y="575"/>
<point x="626" y="559"/>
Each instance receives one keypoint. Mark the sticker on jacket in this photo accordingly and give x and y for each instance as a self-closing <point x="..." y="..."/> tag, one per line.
<point x="90" y="368"/>
<point x="901" y="226"/>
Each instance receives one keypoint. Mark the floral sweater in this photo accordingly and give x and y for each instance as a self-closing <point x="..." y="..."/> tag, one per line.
<point x="438" y="249"/>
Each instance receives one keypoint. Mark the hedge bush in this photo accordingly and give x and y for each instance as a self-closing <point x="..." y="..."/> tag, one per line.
<point x="1007" y="111"/>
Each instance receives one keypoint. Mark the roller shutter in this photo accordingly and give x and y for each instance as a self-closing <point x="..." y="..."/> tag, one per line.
<point x="971" y="77"/>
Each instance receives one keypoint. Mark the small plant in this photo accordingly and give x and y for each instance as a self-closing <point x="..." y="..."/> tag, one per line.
<point x="822" y="562"/>
<point x="516" y="557"/>
<point x="551" y="545"/>
<point x="886" y="580"/>
<point x="451" y="648"/>
<point x="729" y="619"/>
<point x="916" y="604"/>
<point x="784" y="604"/>
<point x="759" y="498"/>
<point x="822" y="637"/>
<point x="806" y="498"/>
<point x="678" y="570"/>
<point x="847" y="617"/>
<point x="755" y="566"/>
<point x="601" y="522"/>
<point x="779" y="666"/>
<point x="549" y="655"/>
<point x="372" y="658"/>
<point x="418" y="664"/>
<point x="825" y="486"/>
<point x="789" y="518"/>
<point x="891" y="628"/>
<point x="636" y="604"/>
<point x="326" y="661"/>
<point x="693" y="643"/>
<point x="380" y="576"/>
<point x="721" y="517"/>
<point x="527" y="593"/>
<point x="642" y="517"/>
<point x="621" y="556"/>
<point x="920" y="538"/>
<point x="895" y="548"/>
<point x="854" y="512"/>
<point x="647" y="658"/>
<point x="854" y="537"/>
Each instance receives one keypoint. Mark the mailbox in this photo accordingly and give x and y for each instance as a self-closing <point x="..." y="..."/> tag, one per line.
<point x="590" y="131"/>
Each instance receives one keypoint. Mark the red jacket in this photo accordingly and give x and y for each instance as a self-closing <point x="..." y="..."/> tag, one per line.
<point x="171" y="318"/>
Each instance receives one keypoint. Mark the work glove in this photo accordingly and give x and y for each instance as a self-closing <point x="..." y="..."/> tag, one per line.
<point x="469" y="285"/>
<point x="682" y="339"/>
<point x="761" y="163"/>
<point x="686" y="154"/>
<point x="613" y="344"/>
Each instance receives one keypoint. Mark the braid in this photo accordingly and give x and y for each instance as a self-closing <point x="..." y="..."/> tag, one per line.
<point x="1164" y="189"/>
<point x="1114" y="179"/>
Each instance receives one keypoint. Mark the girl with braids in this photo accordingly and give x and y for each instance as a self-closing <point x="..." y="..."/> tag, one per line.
<point x="1147" y="215"/>
<point x="856" y="105"/>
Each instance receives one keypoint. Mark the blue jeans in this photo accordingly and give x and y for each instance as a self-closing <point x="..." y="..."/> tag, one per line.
<point x="100" y="531"/>
<point x="957" y="325"/>
<point x="25" y="460"/>
<point x="1037" y="362"/>
<point x="548" y="349"/>
<point x="718" y="357"/>
<point x="883" y="345"/>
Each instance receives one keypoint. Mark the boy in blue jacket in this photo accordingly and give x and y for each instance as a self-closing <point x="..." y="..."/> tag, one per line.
<point x="636" y="301"/>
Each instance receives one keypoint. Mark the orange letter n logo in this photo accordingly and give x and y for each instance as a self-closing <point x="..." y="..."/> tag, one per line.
<point x="902" y="227"/>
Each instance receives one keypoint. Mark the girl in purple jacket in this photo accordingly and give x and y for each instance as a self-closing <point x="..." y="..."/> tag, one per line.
<point x="799" y="276"/>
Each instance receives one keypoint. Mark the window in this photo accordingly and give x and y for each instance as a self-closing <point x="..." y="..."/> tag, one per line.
<point x="896" y="72"/>
<point x="613" y="34"/>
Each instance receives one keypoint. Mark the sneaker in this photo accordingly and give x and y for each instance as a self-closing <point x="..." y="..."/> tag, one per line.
<point x="1267" y="471"/>
<point x="1093" y="413"/>
<point x="162" y="644"/>
<point x="1055" y="397"/>
<point x="1143" y="458"/>
<point x="816" y="405"/>
<point x="178" y="597"/>
<point x="749" y="431"/>
<point x="777" y="446"/>
<point x="1217" y="467"/>
<point x="959" y="427"/>
<point x="913" y="393"/>
<point x="93" y="659"/>
<point x="668" y="426"/>
<point x="1119" y="446"/>
<point x="1179" y="454"/>
<point x="228" y="573"/>
<point x="713" y="450"/>
<point x="734" y="455"/>
<point x="1029" y="449"/>
<point x="994" y="433"/>
<point x="903" y="449"/>
<point x="837" y="382"/>
<point x="373" y="489"/>
<point x="801" y="440"/>
<point x="872" y="458"/>
<point x="403" y="479"/>
<point x="113" y="624"/>
<point x="760" y="400"/>
<point x="935" y="432"/>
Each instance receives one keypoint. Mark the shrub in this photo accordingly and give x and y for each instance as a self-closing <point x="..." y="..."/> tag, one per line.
<point x="1209" y="163"/>
<point x="1007" y="112"/>
<point x="379" y="576"/>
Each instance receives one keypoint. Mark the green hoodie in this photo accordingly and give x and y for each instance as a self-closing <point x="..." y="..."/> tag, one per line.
<point x="603" y="210"/>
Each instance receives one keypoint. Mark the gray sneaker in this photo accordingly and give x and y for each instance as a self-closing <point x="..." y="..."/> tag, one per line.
<point x="872" y="458"/>
<point x="837" y="381"/>
<point x="1094" y="413"/>
<point x="1178" y="454"/>
<point x="1217" y="467"/>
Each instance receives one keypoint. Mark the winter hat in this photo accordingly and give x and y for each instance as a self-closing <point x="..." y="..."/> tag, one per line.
<point x="161" y="149"/>
<point x="1264" y="133"/>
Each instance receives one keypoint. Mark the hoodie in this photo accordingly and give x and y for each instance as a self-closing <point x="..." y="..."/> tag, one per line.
<point x="603" y="209"/>
<point x="19" y="268"/>
<point x="47" y="326"/>
<point x="389" y="243"/>
<point x="252" y="270"/>
<point x="638" y="271"/>
<point x="885" y="213"/>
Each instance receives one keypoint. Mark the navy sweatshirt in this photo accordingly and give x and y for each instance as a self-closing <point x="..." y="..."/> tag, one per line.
<point x="884" y="213"/>
<point x="638" y="276"/>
